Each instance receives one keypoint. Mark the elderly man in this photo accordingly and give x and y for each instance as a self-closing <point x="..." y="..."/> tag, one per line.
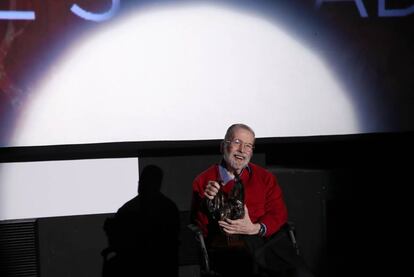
<point x="240" y="210"/>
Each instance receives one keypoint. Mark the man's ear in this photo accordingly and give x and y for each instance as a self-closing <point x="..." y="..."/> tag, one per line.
<point x="222" y="147"/>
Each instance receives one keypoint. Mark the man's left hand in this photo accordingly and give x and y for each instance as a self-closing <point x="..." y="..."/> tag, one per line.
<point x="243" y="226"/>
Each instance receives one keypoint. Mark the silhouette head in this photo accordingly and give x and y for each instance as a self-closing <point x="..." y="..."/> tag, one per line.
<point x="150" y="179"/>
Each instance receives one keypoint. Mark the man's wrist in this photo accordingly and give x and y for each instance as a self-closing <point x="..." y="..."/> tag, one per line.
<point x="257" y="228"/>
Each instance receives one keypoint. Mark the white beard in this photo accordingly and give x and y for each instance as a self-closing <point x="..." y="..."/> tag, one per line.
<point x="234" y="163"/>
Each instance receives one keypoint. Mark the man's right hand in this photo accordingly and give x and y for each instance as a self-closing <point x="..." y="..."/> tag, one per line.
<point x="212" y="189"/>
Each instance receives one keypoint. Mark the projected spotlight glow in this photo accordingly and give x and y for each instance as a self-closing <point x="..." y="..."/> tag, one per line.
<point x="185" y="73"/>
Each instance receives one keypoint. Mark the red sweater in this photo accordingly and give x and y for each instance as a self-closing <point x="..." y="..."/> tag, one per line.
<point x="263" y="197"/>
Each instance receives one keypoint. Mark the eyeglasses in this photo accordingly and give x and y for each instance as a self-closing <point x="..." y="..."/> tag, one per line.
<point x="237" y="143"/>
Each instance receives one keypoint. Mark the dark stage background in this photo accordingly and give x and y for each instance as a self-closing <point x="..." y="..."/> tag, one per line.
<point x="348" y="196"/>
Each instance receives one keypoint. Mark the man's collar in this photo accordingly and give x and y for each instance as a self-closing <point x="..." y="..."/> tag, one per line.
<point x="224" y="174"/>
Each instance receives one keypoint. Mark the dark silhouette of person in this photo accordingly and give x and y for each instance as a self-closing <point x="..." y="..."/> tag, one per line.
<point x="143" y="235"/>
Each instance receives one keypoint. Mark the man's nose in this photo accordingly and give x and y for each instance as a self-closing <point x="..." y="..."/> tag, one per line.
<point x="242" y="147"/>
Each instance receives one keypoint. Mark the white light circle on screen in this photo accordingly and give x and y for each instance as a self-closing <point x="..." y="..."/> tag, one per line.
<point x="184" y="73"/>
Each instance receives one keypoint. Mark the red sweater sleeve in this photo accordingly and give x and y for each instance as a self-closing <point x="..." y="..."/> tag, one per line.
<point x="275" y="215"/>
